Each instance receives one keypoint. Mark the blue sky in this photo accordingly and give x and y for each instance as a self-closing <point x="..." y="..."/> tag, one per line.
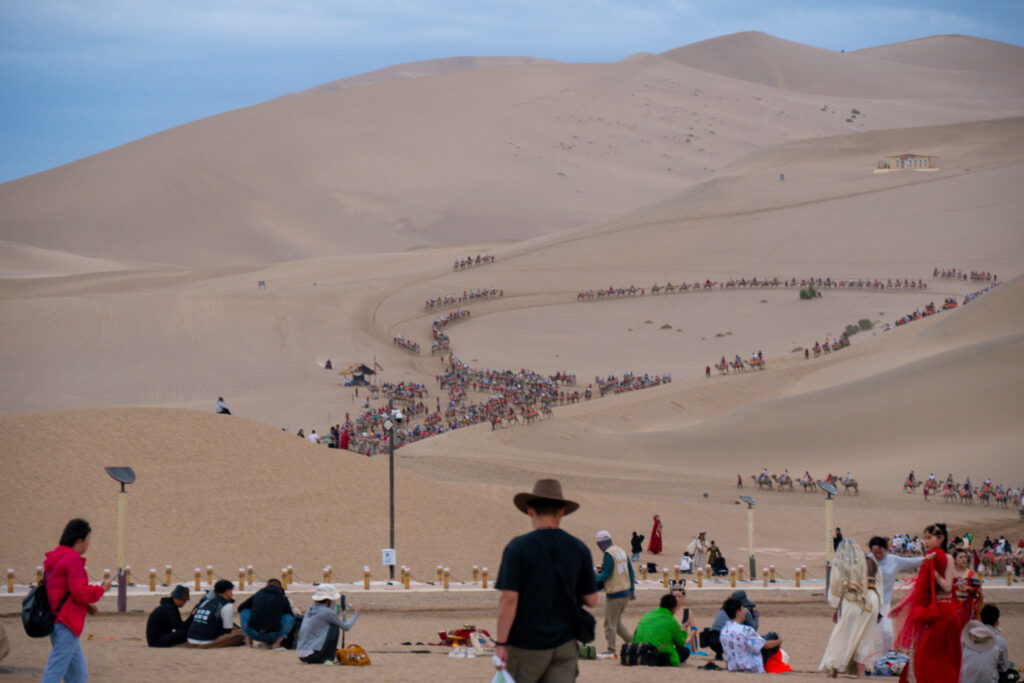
<point x="81" y="76"/>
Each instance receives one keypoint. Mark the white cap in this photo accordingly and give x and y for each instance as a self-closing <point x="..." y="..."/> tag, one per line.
<point x="603" y="536"/>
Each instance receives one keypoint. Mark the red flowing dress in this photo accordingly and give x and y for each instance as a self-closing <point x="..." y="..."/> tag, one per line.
<point x="654" y="545"/>
<point x="928" y="627"/>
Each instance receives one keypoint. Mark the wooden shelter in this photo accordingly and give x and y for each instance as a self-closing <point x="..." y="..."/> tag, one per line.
<point x="358" y="373"/>
<point x="911" y="161"/>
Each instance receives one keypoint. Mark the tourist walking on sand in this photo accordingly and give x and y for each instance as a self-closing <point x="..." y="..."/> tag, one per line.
<point x="654" y="545"/>
<point x="545" y="576"/>
<point x="619" y="585"/>
<point x="889" y="566"/>
<point x="71" y="597"/>
<point x="853" y="593"/>
<point x="927" y="620"/>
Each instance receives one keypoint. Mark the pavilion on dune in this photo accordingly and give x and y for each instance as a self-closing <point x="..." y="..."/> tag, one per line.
<point x="914" y="162"/>
<point x="358" y="374"/>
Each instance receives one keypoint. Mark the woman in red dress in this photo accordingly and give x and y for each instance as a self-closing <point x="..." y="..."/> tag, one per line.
<point x="967" y="586"/>
<point x="927" y="620"/>
<point x="654" y="545"/>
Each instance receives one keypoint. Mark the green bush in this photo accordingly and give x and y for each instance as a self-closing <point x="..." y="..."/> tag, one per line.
<point x="666" y="326"/>
<point x="851" y="330"/>
<point x="865" y="324"/>
<point x="797" y="349"/>
<point x="809" y="292"/>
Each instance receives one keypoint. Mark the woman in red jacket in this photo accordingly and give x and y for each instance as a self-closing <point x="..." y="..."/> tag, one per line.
<point x="71" y="597"/>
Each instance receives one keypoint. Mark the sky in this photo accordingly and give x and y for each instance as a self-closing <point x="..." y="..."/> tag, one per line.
<point x="81" y="76"/>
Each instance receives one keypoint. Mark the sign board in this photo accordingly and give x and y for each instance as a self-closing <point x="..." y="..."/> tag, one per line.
<point x="387" y="557"/>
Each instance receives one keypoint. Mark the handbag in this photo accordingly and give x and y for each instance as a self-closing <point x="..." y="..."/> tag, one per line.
<point x="353" y="655"/>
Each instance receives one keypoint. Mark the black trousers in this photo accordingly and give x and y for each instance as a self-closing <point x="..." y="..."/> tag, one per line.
<point x="171" y="639"/>
<point x="329" y="648"/>
<point x="715" y="644"/>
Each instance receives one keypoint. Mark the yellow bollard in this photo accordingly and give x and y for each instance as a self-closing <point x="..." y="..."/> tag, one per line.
<point x="198" y="579"/>
<point x="39" y="575"/>
<point x="700" y="579"/>
<point x="10" y="580"/>
<point x="284" y="577"/>
<point x="803" y="572"/>
<point x="440" y="573"/>
<point x="676" y="574"/>
<point x="447" y="577"/>
<point x="643" y="571"/>
<point x="366" y="578"/>
<point x="484" y="577"/>
<point x="664" y="577"/>
<point x="739" y="572"/>
<point x="796" y="578"/>
<point x="476" y="573"/>
<point x="241" y="578"/>
<point x="291" y="575"/>
<point x="408" y="577"/>
<point x="325" y="576"/>
<point x="330" y="574"/>
<point x="106" y="575"/>
<point x="764" y="578"/>
<point x="127" y="575"/>
<point x="167" y="575"/>
<point x="248" y="574"/>
<point x="732" y="578"/>
<point x="771" y="572"/>
<point x="707" y="571"/>
<point x="152" y="579"/>
<point x="1009" y="575"/>
<point x="209" y="575"/>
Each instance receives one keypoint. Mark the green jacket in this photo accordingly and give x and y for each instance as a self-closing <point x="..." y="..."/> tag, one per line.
<point x="660" y="628"/>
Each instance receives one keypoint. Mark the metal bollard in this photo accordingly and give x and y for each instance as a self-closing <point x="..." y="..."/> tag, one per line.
<point x="366" y="578"/>
<point x="408" y="578"/>
<point x="771" y="572"/>
<point x="241" y="578"/>
<point x="484" y="576"/>
<point x="198" y="580"/>
<point x="167" y="575"/>
<point x="1009" y="575"/>
<point x="447" y="577"/>
<point x="209" y="575"/>
<point x="440" y="573"/>
<point x="739" y="572"/>
<point x="476" y="573"/>
<point x="284" y="577"/>
<point x="732" y="578"/>
<point x="664" y="577"/>
<point x="127" y="575"/>
<point x="248" y="574"/>
<point x="152" y="579"/>
<point x="643" y="572"/>
<point x="10" y="580"/>
<point x="291" y="575"/>
<point x="803" y="572"/>
<point x="700" y="579"/>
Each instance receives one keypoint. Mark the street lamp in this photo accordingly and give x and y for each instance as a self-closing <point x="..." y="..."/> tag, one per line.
<point x="123" y="476"/>
<point x="749" y="500"/>
<point x="830" y="491"/>
<point x="393" y="419"/>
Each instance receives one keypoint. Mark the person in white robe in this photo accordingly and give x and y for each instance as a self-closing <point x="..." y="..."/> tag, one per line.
<point x="854" y="593"/>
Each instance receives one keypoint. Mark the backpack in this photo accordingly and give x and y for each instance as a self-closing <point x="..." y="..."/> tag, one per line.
<point x="353" y="655"/>
<point x="36" y="617"/>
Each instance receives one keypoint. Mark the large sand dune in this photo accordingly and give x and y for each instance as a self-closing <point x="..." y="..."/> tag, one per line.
<point x="576" y="177"/>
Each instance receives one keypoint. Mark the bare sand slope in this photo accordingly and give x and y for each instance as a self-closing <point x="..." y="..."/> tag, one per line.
<point x="449" y="158"/>
<point x="761" y="58"/>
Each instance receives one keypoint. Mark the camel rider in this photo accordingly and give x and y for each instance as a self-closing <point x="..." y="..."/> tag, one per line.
<point x="848" y="478"/>
<point x="739" y="361"/>
<point x="910" y="478"/>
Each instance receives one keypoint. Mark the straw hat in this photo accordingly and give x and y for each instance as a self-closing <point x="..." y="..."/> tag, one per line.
<point x="326" y="591"/>
<point x="545" y="489"/>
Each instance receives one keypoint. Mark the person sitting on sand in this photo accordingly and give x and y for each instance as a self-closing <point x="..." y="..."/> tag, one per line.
<point x="741" y="644"/>
<point x="267" y="615"/>
<point x="164" y="628"/>
<point x="212" y="624"/>
<point x="660" y="629"/>
<point x="313" y="438"/>
<point x="321" y="628"/>
<point x="301" y="434"/>
<point x="222" y="408"/>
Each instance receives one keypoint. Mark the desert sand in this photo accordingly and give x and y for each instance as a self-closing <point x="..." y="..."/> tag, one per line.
<point x="129" y="303"/>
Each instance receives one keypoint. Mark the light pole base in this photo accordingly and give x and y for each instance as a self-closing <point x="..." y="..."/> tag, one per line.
<point x="753" y="567"/>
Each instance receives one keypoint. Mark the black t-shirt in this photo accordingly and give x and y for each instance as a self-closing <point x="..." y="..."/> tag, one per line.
<point x="546" y="604"/>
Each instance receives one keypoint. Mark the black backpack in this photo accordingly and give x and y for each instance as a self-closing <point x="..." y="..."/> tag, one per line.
<point x="36" y="616"/>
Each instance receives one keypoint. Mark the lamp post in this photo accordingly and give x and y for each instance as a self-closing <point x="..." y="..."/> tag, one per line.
<point x="749" y="500"/>
<point x="123" y="476"/>
<point x="830" y="491"/>
<point x="393" y="419"/>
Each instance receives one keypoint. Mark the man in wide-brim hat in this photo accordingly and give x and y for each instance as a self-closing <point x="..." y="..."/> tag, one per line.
<point x="544" y="576"/>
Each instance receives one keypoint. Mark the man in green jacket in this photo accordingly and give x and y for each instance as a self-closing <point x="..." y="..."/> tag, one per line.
<point x="660" y="628"/>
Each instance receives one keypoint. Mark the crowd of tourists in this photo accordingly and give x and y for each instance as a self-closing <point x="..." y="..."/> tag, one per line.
<point x="447" y="300"/>
<point x="471" y="261"/>
<point x="957" y="274"/>
<point x="407" y="344"/>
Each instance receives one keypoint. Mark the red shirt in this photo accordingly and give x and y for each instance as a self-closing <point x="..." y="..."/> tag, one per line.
<point x="65" y="571"/>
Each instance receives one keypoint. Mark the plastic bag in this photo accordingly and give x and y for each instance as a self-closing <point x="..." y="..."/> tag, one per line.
<point x="502" y="676"/>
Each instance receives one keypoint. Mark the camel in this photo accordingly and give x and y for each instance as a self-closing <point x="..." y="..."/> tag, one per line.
<point x="808" y="484"/>
<point x="723" y="368"/>
<point x="850" y="484"/>
<point x="909" y="486"/>
<point x="762" y="482"/>
<point x="967" y="496"/>
<point x="738" y="366"/>
<point x="949" y="495"/>
<point x="784" y="481"/>
<point x="985" y="497"/>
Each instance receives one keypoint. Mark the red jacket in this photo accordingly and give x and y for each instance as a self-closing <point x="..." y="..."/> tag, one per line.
<point x="65" y="571"/>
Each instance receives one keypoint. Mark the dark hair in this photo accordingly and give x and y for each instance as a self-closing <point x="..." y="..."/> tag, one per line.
<point x="546" y="506"/>
<point x="668" y="601"/>
<point x="872" y="565"/>
<point x="938" y="529"/>
<point x="222" y="585"/>
<point x="989" y="615"/>
<point x="274" y="582"/>
<point x="962" y="551"/>
<point x="76" y="530"/>
<point x="882" y="543"/>
<point x="732" y="607"/>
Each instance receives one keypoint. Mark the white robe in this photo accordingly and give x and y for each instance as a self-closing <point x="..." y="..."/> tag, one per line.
<point x="853" y="635"/>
